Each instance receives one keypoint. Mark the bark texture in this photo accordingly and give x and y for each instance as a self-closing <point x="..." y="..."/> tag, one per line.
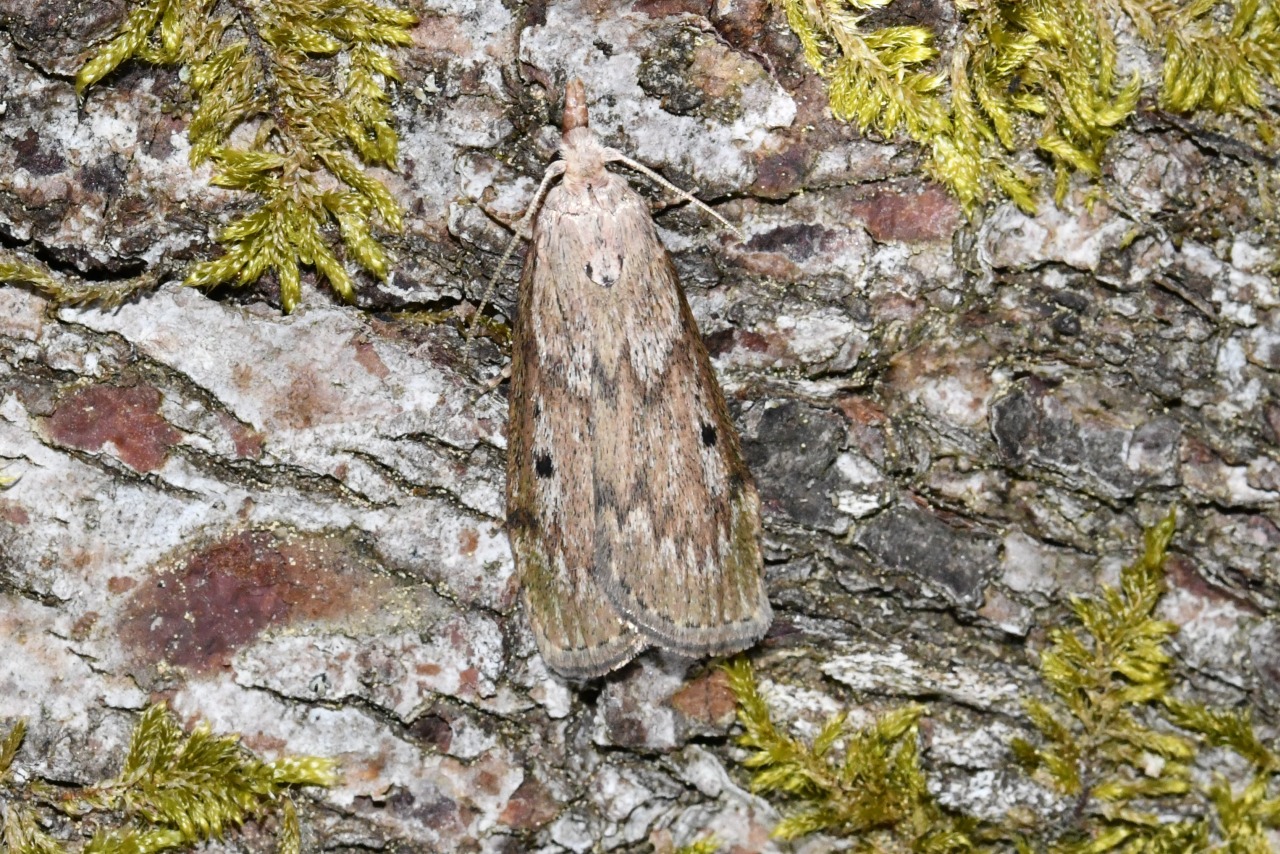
<point x="291" y="526"/>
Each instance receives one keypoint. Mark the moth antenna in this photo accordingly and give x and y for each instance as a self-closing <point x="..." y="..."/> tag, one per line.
<point x="555" y="170"/>
<point x="615" y="155"/>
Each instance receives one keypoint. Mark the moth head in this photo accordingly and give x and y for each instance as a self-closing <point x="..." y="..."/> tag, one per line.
<point x="583" y="154"/>
<point x="575" y="106"/>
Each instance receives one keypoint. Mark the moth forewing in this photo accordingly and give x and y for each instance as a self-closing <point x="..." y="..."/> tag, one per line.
<point x="633" y="518"/>
<point x="577" y="631"/>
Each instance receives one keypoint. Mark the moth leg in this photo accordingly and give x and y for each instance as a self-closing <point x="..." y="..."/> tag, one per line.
<point x="493" y="382"/>
<point x="523" y="231"/>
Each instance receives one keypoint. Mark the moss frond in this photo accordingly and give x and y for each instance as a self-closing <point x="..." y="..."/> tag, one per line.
<point x="878" y="79"/>
<point x="1110" y="737"/>
<point x="13" y="269"/>
<point x="22" y="835"/>
<point x="176" y="789"/>
<point x="1030" y="76"/>
<point x="310" y="77"/>
<point x="128" y="40"/>
<point x="1209" y="66"/>
<point x="1097" y="742"/>
<point x="67" y="291"/>
<point x="1115" y="739"/>
<point x="705" y="845"/>
<point x="9" y="747"/>
<point x="872" y="791"/>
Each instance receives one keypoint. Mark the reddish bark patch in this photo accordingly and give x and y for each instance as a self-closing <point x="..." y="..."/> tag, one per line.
<point x="667" y="8"/>
<point x="916" y="216"/>
<point x="367" y="357"/>
<point x="435" y="811"/>
<point x="780" y="173"/>
<point x="81" y="628"/>
<point x="468" y="681"/>
<point x="248" y="441"/>
<point x="487" y="782"/>
<point x="33" y="153"/>
<point x="753" y="341"/>
<point x="1183" y="575"/>
<point x="862" y="410"/>
<point x="433" y="729"/>
<point x="310" y="400"/>
<point x="708" y="699"/>
<point x="221" y="597"/>
<point x="118" y="584"/>
<point x="468" y="540"/>
<point x="128" y="418"/>
<point x="530" y="806"/>
<point x="741" y="23"/>
<point x="14" y="513"/>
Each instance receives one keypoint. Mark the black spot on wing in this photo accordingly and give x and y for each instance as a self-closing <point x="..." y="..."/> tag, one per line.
<point x="708" y="435"/>
<point x="542" y="465"/>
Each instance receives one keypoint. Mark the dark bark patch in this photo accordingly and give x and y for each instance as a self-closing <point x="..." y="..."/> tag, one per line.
<point x="36" y="158"/>
<point x="912" y="541"/>
<point x="792" y="455"/>
<point x="910" y="215"/>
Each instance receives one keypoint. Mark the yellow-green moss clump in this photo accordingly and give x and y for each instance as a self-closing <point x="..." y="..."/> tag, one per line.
<point x="873" y="791"/>
<point x="1112" y="736"/>
<point x="69" y="291"/>
<point x="176" y="789"/>
<point x="309" y="77"/>
<point x="1035" y="75"/>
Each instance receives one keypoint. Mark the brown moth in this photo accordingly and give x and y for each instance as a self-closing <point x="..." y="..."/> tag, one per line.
<point x="632" y="517"/>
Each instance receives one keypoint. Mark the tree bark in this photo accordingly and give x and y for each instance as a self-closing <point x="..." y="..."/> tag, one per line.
<point x="291" y="526"/>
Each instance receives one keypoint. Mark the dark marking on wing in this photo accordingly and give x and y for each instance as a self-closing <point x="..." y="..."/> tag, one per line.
<point x="520" y="519"/>
<point x="542" y="465"/>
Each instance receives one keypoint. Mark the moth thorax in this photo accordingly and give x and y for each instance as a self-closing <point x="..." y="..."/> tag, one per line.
<point x="583" y="155"/>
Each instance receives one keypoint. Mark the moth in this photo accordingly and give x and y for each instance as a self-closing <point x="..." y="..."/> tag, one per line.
<point x="633" y="519"/>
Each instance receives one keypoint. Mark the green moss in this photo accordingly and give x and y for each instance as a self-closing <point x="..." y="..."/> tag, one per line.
<point x="705" y="845"/>
<point x="1112" y="736"/>
<point x="308" y="78"/>
<point x="1033" y="76"/>
<point x="872" y="791"/>
<point x="176" y="789"/>
<point x="69" y="291"/>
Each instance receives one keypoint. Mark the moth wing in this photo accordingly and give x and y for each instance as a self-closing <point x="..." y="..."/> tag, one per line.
<point x="677" y="532"/>
<point x="578" y="631"/>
